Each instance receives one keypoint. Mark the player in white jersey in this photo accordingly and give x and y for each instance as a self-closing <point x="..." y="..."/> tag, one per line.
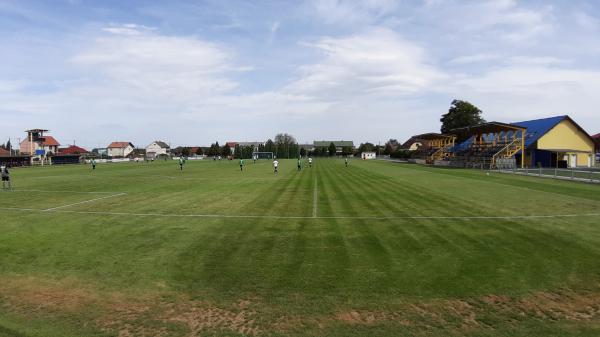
<point x="5" y="177"/>
<point x="275" y="166"/>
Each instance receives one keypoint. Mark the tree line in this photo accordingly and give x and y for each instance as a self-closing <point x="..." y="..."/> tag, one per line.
<point x="460" y="114"/>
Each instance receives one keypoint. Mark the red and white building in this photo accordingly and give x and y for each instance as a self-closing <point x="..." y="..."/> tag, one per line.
<point x="36" y="141"/>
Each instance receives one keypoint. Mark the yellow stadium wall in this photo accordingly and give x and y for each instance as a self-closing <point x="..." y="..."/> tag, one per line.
<point x="566" y="135"/>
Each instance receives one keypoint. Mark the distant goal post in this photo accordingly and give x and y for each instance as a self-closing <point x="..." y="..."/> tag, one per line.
<point x="262" y="155"/>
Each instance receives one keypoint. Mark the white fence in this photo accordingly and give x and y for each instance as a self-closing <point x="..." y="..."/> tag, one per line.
<point x="115" y="160"/>
<point x="585" y="175"/>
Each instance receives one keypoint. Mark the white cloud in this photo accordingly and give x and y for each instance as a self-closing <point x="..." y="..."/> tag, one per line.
<point x="142" y="60"/>
<point x="586" y="21"/>
<point x="475" y="58"/>
<point x="273" y="28"/>
<point x="492" y="20"/>
<point x="527" y="91"/>
<point x="352" y="11"/>
<point x="378" y="61"/>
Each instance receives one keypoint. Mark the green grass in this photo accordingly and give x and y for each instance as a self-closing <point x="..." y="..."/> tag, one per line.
<point x="394" y="250"/>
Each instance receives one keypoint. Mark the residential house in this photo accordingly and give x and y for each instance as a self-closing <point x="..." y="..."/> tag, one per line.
<point x="157" y="148"/>
<point x="231" y="146"/>
<point x="254" y="145"/>
<point x="340" y="145"/>
<point x="120" y="149"/>
<point x="597" y="140"/>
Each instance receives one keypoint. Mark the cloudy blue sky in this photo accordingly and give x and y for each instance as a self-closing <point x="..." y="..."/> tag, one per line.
<point x="192" y="72"/>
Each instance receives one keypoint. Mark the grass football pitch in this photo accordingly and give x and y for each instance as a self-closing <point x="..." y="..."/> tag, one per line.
<point x="373" y="249"/>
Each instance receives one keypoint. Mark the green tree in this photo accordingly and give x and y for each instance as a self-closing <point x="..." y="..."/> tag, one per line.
<point x="284" y="138"/>
<point x="269" y="146"/>
<point x="461" y="114"/>
<point x="302" y="152"/>
<point x="247" y="151"/>
<point x="225" y="151"/>
<point x="390" y="147"/>
<point x="332" y="149"/>
<point x="199" y="151"/>
<point x="185" y="151"/>
<point x="214" y="149"/>
<point x="237" y="152"/>
<point x="366" y="147"/>
<point x="347" y="151"/>
<point x="285" y="145"/>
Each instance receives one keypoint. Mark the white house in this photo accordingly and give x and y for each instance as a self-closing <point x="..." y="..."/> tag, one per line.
<point x="156" y="149"/>
<point x="368" y="155"/>
<point x="120" y="149"/>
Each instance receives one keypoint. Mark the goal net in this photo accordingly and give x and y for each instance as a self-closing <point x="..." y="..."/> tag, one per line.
<point x="262" y="155"/>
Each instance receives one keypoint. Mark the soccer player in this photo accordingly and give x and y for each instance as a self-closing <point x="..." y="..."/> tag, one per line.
<point x="181" y="162"/>
<point x="5" y="177"/>
<point x="309" y="162"/>
<point x="346" y="161"/>
<point x="299" y="165"/>
<point x="275" y="166"/>
<point x="93" y="162"/>
<point x="241" y="164"/>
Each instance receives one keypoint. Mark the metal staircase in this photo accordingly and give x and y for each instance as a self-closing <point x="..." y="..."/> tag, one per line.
<point x="506" y="152"/>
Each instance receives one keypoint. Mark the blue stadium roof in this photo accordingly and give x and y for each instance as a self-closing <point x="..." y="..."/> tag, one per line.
<point x="538" y="127"/>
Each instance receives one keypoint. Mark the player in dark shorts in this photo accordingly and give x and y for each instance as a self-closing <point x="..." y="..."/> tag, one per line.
<point x="181" y="162"/>
<point x="93" y="162"/>
<point x="346" y="161"/>
<point x="5" y="178"/>
<point x="299" y="165"/>
<point x="241" y="164"/>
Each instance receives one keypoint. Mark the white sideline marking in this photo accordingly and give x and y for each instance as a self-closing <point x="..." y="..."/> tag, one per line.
<point x="83" y="202"/>
<point x="74" y="192"/>
<point x="315" y="195"/>
<point x="167" y="215"/>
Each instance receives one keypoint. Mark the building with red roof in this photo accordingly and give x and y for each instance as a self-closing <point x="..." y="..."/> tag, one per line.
<point x="73" y="149"/>
<point x="120" y="149"/>
<point x="37" y="142"/>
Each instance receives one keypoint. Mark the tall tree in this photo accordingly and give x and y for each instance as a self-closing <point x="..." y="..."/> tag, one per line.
<point x="247" y="151"/>
<point x="366" y="147"/>
<point x="284" y="143"/>
<point x="347" y="151"/>
<point x="332" y="149"/>
<point x="225" y="150"/>
<point x="269" y="146"/>
<point x="199" y="151"/>
<point x="284" y="138"/>
<point x="237" y="152"/>
<point x="302" y="152"/>
<point x="461" y="114"/>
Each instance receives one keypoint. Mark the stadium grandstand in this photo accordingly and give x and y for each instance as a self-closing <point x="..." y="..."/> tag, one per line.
<point x="492" y="144"/>
<point x="430" y="147"/>
<point x="557" y="142"/>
